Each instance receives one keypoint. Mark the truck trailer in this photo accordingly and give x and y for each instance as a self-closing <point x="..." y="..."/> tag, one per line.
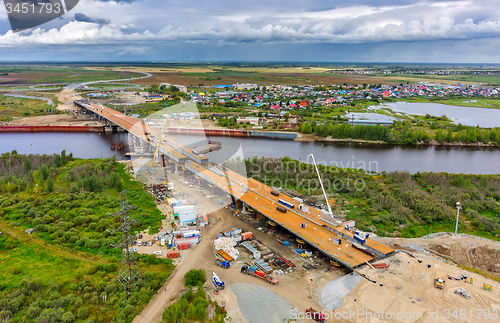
<point x="254" y="271"/>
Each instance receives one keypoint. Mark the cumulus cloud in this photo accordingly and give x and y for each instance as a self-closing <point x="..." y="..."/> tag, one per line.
<point x="144" y="23"/>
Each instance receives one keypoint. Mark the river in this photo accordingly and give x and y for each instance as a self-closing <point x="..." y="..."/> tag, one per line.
<point x="372" y="157"/>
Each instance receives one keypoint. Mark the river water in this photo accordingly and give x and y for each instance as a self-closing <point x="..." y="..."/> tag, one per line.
<point x="371" y="157"/>
<point x="484" y="117"/>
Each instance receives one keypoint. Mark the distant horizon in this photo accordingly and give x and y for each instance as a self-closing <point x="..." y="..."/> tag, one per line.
<point x="153" y="62"/>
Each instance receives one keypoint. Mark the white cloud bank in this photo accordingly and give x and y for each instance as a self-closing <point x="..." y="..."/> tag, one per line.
<point x="424" y="21"/>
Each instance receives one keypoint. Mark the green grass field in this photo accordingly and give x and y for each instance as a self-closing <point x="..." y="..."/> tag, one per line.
<point x="11" y="107"/>
<point x="37" y="75"/>
<point x="62" y="271"/>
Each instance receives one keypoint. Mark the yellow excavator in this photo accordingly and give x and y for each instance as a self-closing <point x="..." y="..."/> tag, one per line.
<point x="439" y="283"/>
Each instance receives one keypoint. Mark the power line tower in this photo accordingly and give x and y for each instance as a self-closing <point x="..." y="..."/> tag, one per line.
<point x="129" y="275"/>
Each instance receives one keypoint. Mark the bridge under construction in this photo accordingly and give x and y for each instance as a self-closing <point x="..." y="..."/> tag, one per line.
<point x="317" y="228"/>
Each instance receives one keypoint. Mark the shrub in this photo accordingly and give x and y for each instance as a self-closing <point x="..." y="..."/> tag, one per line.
<point x="193" y="277"/>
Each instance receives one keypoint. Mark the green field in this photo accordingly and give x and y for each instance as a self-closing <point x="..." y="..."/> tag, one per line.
<point x="11" y="107"/>
<point x="62" y="271"/>
<point x="38" y="75"/>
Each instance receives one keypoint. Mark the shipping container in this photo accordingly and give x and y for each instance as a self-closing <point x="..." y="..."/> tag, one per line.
<point x="237" y="231"/>
<point x="173" y="254"/>
<point x="286" y="243"/>
<point x="281" y="209"/>
<point x="285" y="203"/>
<point x="275" y="193"/>
<point x="236" y="238"/>
<point x="246" y="235"/>
<point x="308" y="253"/>
<point x="299" y="251"/>
<point x="256" y="254"/>
<point x="259" y="273"/>
<point x="227" y="233"/>
<point x="336" y="241"/>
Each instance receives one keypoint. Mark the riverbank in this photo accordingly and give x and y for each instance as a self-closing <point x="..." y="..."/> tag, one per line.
<point x="315" y="138"/>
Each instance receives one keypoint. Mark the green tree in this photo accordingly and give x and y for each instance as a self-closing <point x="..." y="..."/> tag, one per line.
<point x="49" y="185"/>
<point x="27" y="165"/>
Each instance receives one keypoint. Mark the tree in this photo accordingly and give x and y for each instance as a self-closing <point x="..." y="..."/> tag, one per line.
<point x="49" y="185"/>
<point x="27" y="165"/>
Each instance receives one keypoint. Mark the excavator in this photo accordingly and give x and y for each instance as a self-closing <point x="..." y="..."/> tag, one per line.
<point x="439" y="283"/>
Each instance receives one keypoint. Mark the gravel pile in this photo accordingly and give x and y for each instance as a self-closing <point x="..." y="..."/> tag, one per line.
<point x="260" y="305"/>
<point x="334" y="291"/>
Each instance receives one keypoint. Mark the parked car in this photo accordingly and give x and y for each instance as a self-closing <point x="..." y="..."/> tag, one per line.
<point x="156" y="238"/>
<point x="159" y="253"/>
<point x="150" y="243"/>
<point x="134" y="243"/>
<point x="140" y="236"/>
<point x="133" y="250"/>
<point x="139" y="243"/>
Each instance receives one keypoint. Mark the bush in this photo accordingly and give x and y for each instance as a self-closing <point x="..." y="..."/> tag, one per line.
<point x="83" y="313"/>
<point x="193" y="277"/>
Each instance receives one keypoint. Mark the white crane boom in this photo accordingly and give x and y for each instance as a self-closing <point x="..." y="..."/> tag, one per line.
<point x="321" y="183"/>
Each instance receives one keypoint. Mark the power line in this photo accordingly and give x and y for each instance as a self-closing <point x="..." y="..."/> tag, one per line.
<point x="129" y="275"/>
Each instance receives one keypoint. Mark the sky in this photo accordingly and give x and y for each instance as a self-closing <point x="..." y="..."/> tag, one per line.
<point x="410" y="31"/>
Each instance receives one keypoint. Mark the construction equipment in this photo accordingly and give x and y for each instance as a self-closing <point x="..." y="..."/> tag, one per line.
<point x="160" y="139"/>
<point x="224" y="264"/>
<point x="224" y="255"/>
<point x="315" y="315"/>
<point x="321" y="183"/>
<point x="254" y="271"/>
<point x="218" y="283"/>
<point x="439" y="283"/>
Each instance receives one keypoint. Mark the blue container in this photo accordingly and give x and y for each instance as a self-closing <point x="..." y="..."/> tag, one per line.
<point x="286" y="243"/>
<point x="219" y="235"/>
<point x="299" y="250"/>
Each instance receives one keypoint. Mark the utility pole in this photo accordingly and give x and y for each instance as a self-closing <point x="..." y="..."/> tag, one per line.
<point x="129" y="275"/>
<point x="321" y="183"/>
<point x="459" y="206"/>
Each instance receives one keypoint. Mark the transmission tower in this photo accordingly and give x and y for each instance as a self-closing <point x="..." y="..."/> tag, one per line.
<point x="129" y="275"/>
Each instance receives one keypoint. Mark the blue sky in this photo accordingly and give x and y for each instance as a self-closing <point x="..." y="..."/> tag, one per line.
<point x="456" y="31"/>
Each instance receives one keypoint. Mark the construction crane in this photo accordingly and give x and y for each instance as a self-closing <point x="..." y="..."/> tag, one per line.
<point x="321" y="183"/>
<point x="160" y="139"/>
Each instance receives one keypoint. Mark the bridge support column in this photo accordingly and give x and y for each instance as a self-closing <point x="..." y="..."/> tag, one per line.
<point x="199" y="183"/>
<point x="212" y="190"/>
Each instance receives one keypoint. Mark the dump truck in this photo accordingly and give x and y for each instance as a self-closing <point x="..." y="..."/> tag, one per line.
<point x="224" y="264"/>
<point x="439" y="283"/>
<point x="315" y="315"/>
<point x="225" y="255"/>
<point x="254" y="271"/>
